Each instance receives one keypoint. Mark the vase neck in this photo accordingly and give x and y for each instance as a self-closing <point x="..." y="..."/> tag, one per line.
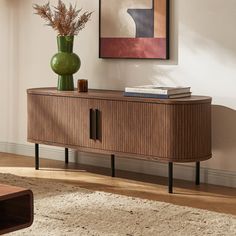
<point x="65" y="43"/>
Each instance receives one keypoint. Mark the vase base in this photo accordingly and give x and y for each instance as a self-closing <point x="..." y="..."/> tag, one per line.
<point x="65" y="83"/>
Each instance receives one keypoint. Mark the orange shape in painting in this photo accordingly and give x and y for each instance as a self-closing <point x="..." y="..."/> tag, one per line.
<point x="160" y="8"/>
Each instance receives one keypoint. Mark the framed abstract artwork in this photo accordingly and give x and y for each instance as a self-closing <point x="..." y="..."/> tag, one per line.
<point x="134" y="29"/>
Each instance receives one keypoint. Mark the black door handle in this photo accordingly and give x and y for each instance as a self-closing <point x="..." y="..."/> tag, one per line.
<point x="91" y="124"/>
<point x="94" y="124"/>
<point x="97" y="124"/>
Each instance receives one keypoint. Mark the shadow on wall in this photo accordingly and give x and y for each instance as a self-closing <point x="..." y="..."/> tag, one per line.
<point x="224" y="137"/>
<point x="212" y="19"/>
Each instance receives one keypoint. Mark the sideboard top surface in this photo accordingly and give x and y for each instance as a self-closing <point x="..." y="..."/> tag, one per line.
<point x="116" y="95"/>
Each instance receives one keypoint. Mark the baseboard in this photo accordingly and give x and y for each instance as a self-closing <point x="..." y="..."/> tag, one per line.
<point x="185" y="172"/>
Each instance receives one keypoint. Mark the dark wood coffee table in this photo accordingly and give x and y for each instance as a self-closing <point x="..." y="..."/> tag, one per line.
<point x="16" y="208"/>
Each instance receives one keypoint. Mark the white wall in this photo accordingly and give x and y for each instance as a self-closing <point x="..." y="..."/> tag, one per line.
<point x="203" y="56"/>
<point x="4" y="68"/>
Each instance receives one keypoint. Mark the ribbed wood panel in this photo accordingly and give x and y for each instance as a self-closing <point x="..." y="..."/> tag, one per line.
<point x="59" y="120"/>
<point x="178" y="132"/>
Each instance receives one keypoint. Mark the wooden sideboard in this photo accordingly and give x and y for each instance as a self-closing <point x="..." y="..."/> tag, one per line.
<point x="102" y="121"/>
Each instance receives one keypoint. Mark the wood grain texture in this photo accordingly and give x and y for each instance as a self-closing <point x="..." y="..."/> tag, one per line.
<point x="16" y="207"/>
<point x="177" y="131"/>
<point x="132" y="184"/>
<point x="116" y="96"/>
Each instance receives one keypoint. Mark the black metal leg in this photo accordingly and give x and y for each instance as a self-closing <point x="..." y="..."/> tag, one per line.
<point x="113" y="165"/>
<point x="170" y="177"/>
<point x="36" y="156"/>
<point x="197" y="173"/>
<point x="66" y="155"/>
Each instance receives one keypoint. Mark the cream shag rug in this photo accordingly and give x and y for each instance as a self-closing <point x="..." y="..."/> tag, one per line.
<point x="64" y="209"/>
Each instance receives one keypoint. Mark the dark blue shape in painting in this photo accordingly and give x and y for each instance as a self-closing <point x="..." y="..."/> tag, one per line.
<point x="144" y="21"/>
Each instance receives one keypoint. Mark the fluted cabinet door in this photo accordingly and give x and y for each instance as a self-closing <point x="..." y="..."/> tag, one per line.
<point x="59" y="120"/>
<point x="41" y="114"/>
<point x="160" y="131"/>
<point x="134" y="128"/>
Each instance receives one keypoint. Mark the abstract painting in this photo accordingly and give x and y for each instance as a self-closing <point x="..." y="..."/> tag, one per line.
<point x="137" y="29"/>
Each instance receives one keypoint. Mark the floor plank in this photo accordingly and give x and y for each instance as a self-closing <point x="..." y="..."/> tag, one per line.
<point x="210" y="197"/>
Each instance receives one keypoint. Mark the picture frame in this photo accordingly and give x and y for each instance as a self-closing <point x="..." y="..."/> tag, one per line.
<point x="134" y="29"/>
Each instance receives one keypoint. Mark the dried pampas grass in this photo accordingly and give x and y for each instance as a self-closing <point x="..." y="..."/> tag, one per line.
<point x="66" y="21"/>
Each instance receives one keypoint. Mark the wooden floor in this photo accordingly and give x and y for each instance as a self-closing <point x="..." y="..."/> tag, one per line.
<point x="210" y="197"/>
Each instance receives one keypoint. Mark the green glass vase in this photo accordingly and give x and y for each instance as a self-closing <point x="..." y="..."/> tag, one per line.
<point x="65" y="63"/>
